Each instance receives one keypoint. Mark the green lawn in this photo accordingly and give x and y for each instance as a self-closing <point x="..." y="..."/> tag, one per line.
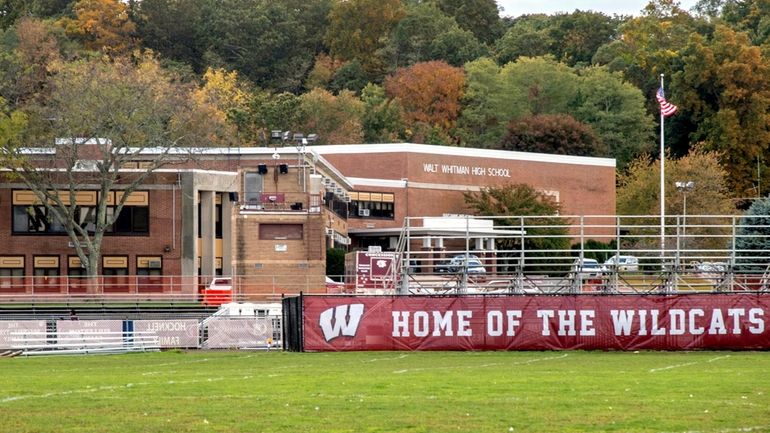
<point x="388" y="392"/>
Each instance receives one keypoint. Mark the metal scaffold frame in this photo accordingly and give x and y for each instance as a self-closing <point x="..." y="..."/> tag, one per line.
<point x="566" y="254"/>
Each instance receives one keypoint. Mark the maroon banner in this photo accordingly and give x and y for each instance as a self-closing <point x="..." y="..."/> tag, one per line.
<point x="618" y="322"/>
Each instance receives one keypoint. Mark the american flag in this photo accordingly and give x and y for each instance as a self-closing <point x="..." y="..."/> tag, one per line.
<point x="666" y="108"/>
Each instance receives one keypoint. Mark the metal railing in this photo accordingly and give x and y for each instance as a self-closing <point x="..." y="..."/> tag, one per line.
<point x="167" y="288"/>
<point x="569" y="254"/>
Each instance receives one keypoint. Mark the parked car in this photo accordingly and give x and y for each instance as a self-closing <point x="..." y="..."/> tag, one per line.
<point x="621" y="264"/>
<point x="457" y="264"/>
<point x="711" y="267"/>
<point x="588" y="268"/>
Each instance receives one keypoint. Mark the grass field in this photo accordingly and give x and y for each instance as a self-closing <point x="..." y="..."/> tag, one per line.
<point x="388" y="392"/>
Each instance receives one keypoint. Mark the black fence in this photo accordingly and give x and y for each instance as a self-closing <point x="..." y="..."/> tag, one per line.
<point x="293" y="339"/>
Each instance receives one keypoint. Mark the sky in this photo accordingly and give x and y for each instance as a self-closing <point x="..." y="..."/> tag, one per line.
<point x="621" y="7"/>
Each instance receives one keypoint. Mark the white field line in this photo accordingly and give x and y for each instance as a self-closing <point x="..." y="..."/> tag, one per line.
<point x="687" y="364"/>
<point x="494" y="364"/>
<point x="387" y="359"/>
<point x="755" y="428"/>
<point x="87" y="390"/>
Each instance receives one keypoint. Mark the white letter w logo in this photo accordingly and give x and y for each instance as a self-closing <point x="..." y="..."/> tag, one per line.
<point x="341" y="320"/>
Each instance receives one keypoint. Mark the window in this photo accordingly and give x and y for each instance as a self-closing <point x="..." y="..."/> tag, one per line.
<point x="74" y="267"/>
<point x="372" y="205"/>
<point x="132" y="219"/>
<point x="35" y="219"/>
<point x="252" y="186"/>
<point x="114" y="265"/>
<point x="12" y="274"/>
<point x="149" y="265"/>
<point x="46" y="266"/>
<point x="29" y="217"/>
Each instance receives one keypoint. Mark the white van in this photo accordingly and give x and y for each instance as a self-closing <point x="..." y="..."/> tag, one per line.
<point x="622" y="264"/>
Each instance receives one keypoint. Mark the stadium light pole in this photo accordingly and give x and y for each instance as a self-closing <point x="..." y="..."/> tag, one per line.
<point x="684" y="187"/>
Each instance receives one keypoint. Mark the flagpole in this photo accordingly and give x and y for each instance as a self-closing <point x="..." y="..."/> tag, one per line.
<point x="662" y="184"/>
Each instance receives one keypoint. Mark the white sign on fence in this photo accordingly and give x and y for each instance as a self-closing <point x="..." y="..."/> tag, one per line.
<point x="171" y="333"/>
<point x="231" y="333"/>
<point x="94" y="331"/>
<point x="18" y="327"/>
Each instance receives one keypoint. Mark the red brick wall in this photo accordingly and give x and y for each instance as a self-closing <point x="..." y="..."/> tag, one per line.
<point x="153" y="244"/>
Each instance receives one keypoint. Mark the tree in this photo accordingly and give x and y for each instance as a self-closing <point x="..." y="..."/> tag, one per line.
<point x="272" y="43"/>
<point x="578" y="35"/>
<point x="100" y="115"/>
<point x="268" y="111"/>
<point x="350" y="76"/>
<point x="382" y="116"/>
<point x="528" y="36"/>
<point x="227" y="98"/>
<point x="336" y="119"/>
<point x="724" y="86"/>
<point x="173" y="28"/>
<point x="481" y="17"/>
<point x="639" y="192"/>
<point x="572" y="38"/>
<point x="323" y="70"/>
<point x="752" y="239"/>
<point x="495" y="96"/>
<point x="425" y="33"/>
<point x="12" y="10"/>
<point x="102" y="25"/>
<point x="429" y="93"/>
<point x="615" y="110"/>
<point x="29" y="54"/>
<point x="547" y="86"/>
<point x="490" y="102"/>
<point x="357" y="30"/>
<point x="553" y="133"/>
<point x="546" y="236"/>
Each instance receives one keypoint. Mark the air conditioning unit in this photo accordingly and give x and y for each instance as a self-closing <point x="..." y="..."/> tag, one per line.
<point x="347" y="199"/>
<point x="363" y="212"/>
<point x="154" y="264"/>
<point x="329" y="231"/>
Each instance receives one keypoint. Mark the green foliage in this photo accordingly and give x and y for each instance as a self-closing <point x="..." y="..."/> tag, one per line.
<point x="528" y="36"/>
<point x="274" y="111"/>
<point x="174" y="28"/>
<point x="12" y="10"/>
<point x="571" y="38"/>
<point x="615" y="110"/>
<point x="336" y="119"/>
<point x="425" y="33"/>
<point x="358" y="28"/>
<point x="350" y="76"/>
<point x="547" y="235"/>
<point x="639" y="193"/>
<point x="335" y="261"/>
<point x="593" y="249"/>
<point x="479" y="17"/>
<point x="725" y="87"/>
<point x="273" y="43"/>
<point x="382" y="120"/>
<point x="490" y="102"/>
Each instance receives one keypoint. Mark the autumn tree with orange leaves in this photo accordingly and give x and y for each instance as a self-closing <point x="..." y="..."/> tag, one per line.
<point x="102" y="25"/>
<point x="429" y="93"/>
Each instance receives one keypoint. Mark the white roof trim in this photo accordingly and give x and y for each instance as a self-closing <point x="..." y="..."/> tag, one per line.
<point x="462" y="151"/>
